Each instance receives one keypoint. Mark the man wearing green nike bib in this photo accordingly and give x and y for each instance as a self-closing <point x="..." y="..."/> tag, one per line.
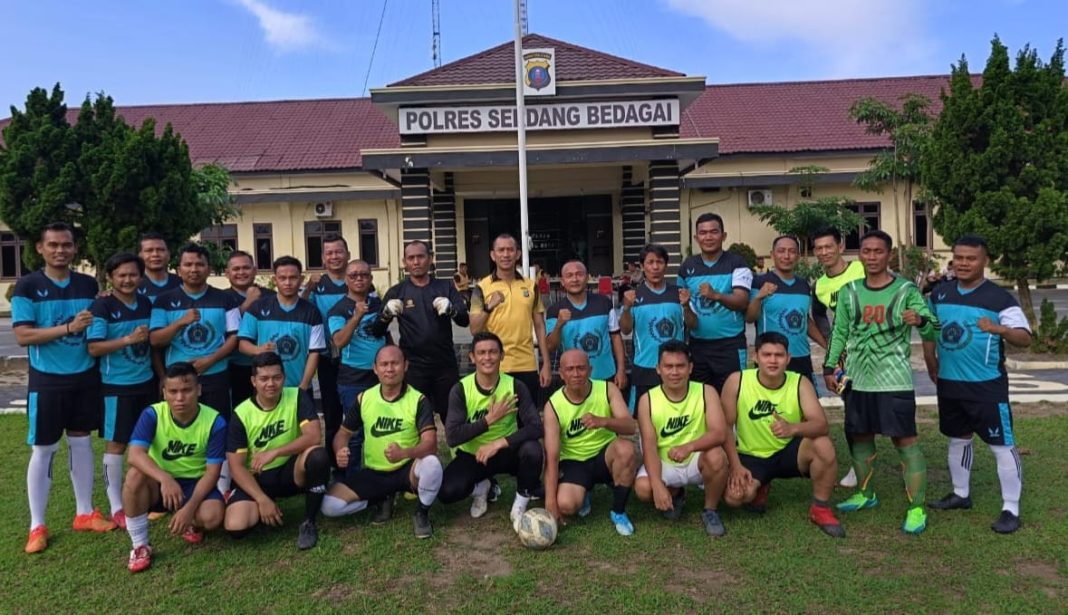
<point x="781" y="433"/>
<point x="274" y="452"/>
<point x="494" y="425"/>
<point x="682" y="430"/>
<point x="583" y="422"/>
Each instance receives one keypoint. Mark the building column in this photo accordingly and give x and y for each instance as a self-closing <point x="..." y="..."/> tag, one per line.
<point x="664" y="211"/>
<point x="632" y="210"/>
<point x="415" y="205"/>
<point x="444" y="210"/>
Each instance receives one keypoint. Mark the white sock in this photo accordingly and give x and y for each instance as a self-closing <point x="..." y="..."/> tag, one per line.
<point x="1010" y="474"/>
<point x="960" y="465"/>
<point x="336" y="507"/>
<point x="428" y="476"/>
<point x="113" y="480"/>
<point x="39" y="481"/>
<point x="81" y="472"/>
<point x="224" y="477"/>
<point x="137" y="527"/>
<point x="519" y="506"/>
<point x="481" y="489"/>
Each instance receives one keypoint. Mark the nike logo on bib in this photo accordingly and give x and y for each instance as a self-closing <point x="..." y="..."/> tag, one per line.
<point x="386" y="426"/>
<point x="269" y="432"/>
<point x="674" y="425"/>
<point x="576" y="428"/>
<point x="176" y="449"/>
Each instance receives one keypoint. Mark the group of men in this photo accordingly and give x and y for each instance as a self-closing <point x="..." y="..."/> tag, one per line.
<point x="208" y="391"/>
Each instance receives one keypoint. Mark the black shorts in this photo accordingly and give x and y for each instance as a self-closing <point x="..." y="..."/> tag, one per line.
<point x="714" y="360"/>
<point x="240" y="378"/>
<point x="187" y="485"/>
<point x="50" y="412"/>
<point x="372" y="485"/>
<point x="801" y="365"/>
<point x="586" y="474"/>
<point x="890" y="413"/>
<point x="119" y="413"/>
<point x="435" y="383"/>
<point x="533" y="383"/>
<point x="782" y="464"/>
<point x="990" y="420"/>
<point x="641" y="380"/>
<point x="276" y="483"/>
<point x="215" y="393"/>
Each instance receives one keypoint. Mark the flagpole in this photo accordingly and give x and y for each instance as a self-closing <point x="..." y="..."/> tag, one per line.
<point x="521" y="133"/>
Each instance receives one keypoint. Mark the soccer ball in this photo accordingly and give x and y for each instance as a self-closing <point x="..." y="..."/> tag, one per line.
<point x="537" y="529"/>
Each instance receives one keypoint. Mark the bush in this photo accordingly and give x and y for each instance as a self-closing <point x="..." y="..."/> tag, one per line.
<point x="746" y="252"/>
<point x="808" y="269"/>
<point x="1050" y="336"/>
<point x="917" y="263"/>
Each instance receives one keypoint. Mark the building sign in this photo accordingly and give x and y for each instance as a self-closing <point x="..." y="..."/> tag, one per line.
<point x="559" y="116"/>
<point x="539" y="72"/>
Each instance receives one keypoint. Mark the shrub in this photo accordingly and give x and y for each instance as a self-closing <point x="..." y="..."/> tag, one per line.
<point x="746" y="252"/>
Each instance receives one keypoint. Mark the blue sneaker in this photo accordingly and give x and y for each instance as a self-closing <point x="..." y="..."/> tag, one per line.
<point x="587" y="504"/>
<point x="623" y="525"/>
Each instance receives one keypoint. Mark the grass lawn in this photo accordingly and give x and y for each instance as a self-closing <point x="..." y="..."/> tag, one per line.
<point x="777" y="562"/>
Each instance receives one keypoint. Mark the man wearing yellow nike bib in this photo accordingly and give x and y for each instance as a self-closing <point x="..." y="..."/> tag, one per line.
<point x="583" y="422"/>
<point x="682" y="430"/>
<point x="781" y="432"/>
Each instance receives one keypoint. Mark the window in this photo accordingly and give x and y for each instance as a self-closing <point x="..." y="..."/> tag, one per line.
<point x="369" y="241"/>
<point x="222" y="235"/>
<point x="921" y="231"/>
<point x="314" y="232"/>
<point x="10" y="256"/>
<point x="264" y="248"/>
<point x="870" y="213"/>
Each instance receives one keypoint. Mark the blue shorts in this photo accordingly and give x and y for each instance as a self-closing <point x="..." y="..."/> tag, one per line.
<point x="187" y="485"/>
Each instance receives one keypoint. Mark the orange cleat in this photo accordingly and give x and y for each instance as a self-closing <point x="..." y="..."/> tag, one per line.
<point x="38" y="540"/>
<point x="93" y="522"/>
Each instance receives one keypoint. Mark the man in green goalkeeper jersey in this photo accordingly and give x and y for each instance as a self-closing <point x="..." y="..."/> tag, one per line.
<point x="873" y="325"/>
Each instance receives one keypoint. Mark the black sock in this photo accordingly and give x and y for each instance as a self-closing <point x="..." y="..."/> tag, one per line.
<point x="620" y="495"/>
<point x="313" y="500"/>
<point x="820" y="503"/>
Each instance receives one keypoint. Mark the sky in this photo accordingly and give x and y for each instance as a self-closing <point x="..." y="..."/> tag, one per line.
<point x="171" y="51"/>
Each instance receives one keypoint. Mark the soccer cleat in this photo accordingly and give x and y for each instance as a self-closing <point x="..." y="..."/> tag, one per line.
<point x="119" y="518"/>
<point x="93" y="522"/>
<point x="849" y="481"/>
<point x="824" y="517"/>
<point x="384" y="511"/>
<point x="713" y="524"/>
<point x="587" y="505"/>
<point x="951" y="502"/>
<point x="760" y="502"/>
<point x="38" y="540"/>
<point x="622" y="523"/>
<point x="421" y="522"/>
<point x="678" y="502"/>
<point x="156" y="515"/>
<point x="193" y="536"/>
<point x="495" y="490"/>
<point x="858" y="501"/>
<point x="915" y="520"/>
<point x="1007" y="523"/>
<point x="140" y="558"/>
<point x="479" y="499"/>
<point x="307" y="535"/>
<point x="519" y="506"/>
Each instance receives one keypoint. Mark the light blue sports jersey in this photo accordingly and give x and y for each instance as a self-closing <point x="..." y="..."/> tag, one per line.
<point x="359" y="353"/>
<point x="113" y="319"/>
<point x="219" y="317"/>
<point x="658" y="317"/>
<point x="42" y="302"/>
<point x="295" y="331"/>
<point x="236" y="357"/>
<point x="589" y="330"/>
<point x="326" y="293"/>
<point x="151" y="289"/>
<point x="715" y="321"/>
<point x="786" y="311"/>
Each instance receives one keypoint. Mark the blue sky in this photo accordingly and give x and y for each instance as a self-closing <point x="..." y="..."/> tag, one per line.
<point x="167" y="51"/>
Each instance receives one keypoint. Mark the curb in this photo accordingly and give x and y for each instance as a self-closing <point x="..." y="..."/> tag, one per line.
<point x="1036" y="365"/>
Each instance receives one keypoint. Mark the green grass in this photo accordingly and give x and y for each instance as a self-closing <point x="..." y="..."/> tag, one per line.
<point x="777" y="562"/>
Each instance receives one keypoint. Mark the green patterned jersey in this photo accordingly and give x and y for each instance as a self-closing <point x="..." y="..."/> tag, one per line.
<point x="868" y="326"/>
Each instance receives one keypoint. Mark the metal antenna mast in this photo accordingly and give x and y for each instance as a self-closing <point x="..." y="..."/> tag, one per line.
<point x="435" y="45"/>
<point x="523" y="24"/>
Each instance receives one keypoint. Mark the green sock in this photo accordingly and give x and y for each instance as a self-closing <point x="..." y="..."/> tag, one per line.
<point x="914" y="471"/>
<point x="863" y="460"/>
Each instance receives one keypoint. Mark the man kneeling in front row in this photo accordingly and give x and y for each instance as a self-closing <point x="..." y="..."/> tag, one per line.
<point x="274" y="452"/>
<point x="782" y="433"/>
<point x="399" y="442"/>
<point x="176" y="454"/>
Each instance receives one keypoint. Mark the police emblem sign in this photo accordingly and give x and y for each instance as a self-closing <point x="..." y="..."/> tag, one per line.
<point x="539" y="72"/>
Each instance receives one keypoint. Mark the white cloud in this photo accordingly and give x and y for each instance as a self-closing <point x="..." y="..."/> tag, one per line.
<point x="285" y="31"/>
<point x="852" y="37"/>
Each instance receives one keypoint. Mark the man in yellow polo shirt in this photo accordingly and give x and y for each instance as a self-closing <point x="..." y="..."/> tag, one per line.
<point x="507" y="304"/>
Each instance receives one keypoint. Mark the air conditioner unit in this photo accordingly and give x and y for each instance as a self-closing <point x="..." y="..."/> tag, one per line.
<point x="759" y="197"/>
<point x="324" y="210"/>
<point x="805" y="192"/>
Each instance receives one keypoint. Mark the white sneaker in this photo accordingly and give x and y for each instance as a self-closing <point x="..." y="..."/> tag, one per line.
<point x="479" y="499"/>
<point x="518" y="508"/>
<point x="849" y="480"/>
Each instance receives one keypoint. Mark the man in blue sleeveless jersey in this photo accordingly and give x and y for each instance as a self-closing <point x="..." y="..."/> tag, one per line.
<point x="324" y="293"/>
<point x="49" y="313"/>
<point x="587" y="322"/>
<point x="967" y="361"/>
<point x="655" y="312"/>
<point x="157" y="257"/>
<point x="119" y="337"/>
<point x="781" y="302"/>
<point x="241" y="273"/>
<point x="197" y="323"/>
<point x="287" y="324"/>
<point x="719" y="282"/>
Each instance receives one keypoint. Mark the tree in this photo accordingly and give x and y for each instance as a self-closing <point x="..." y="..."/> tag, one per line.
<point x="998" y="164"/>
<point x="908" y="130"/>
<point x="124" y="180"/>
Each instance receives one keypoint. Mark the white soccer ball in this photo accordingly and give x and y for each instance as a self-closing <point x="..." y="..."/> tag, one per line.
<point x="537" y="529"/>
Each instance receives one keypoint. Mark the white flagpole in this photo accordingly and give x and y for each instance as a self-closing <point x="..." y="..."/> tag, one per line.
<point x="521" y="132"/>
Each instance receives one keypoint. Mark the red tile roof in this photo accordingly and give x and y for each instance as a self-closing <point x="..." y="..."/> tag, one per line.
<point x="573" y="63"/>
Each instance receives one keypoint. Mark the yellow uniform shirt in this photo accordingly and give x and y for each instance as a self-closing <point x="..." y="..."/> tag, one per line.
<point x="513" y="320"/>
